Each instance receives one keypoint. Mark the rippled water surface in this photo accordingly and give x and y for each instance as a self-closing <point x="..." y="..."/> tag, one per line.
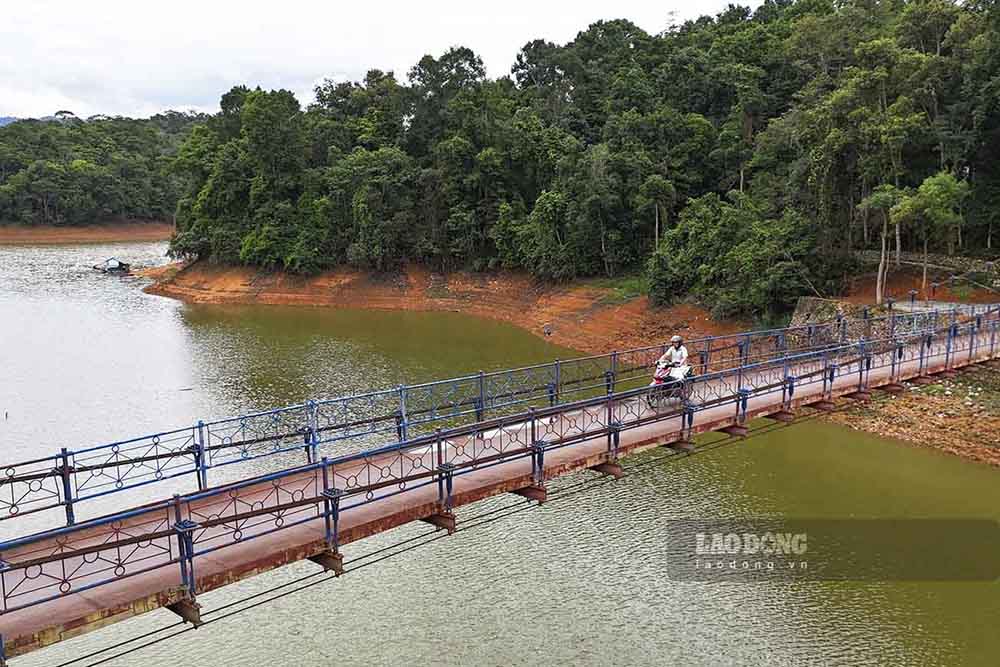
<point x="88" y="358"/>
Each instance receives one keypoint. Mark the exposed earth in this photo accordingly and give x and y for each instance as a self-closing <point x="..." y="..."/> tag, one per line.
<point x="107" y="233"/>
<point x="586" y="317"/>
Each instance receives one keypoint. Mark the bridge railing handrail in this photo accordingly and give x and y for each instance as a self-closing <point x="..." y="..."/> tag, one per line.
<point x="150" y="459"/>
<point x="413" y="443"/>
<point x="615" y="411"/>
<point x="486" y="424"/>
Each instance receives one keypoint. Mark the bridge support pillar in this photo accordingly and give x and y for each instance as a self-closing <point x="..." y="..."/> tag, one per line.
<point x="684" y="445"/>
<point x="783" y="416"/>
<point x="534" y="492"/>
<point x="610" y="469"/>
<point x="330" y="561"/>
<point x="735" y="430"/>
<point x="823" y="406"/>
<point x="444" y="520"/>
<point x="893" y="388"/>
<point x="861" y="395"/>
<point x="188" y="610"/>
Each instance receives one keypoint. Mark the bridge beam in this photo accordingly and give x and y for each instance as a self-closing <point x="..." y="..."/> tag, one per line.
<point x="685" y="446"/>
<point x="735" y="430"/>
<point x="444" y="520"/>
<point x="331" y="561"/>
<point x="534" y="492"/>
<point x="188" y="610"/>
<point x="610" y="469"/>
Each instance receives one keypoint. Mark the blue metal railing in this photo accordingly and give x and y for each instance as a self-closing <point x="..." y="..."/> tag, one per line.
<point x="354" y="423"/>
<point x="176" y="533"/>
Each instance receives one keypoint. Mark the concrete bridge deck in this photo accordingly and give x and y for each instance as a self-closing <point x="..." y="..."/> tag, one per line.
<point x="71" y="581"/>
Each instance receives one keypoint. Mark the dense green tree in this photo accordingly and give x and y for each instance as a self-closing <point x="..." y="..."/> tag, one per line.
<point x="740" y="159"/>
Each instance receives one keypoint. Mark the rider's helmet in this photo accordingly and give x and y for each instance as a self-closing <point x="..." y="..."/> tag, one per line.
<point x="676" y="340"/>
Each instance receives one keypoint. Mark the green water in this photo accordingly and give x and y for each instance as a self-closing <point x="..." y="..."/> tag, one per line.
<point x="580" y="580"/>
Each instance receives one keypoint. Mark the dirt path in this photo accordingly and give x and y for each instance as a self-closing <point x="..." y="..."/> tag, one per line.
<point x="116" y="232"/>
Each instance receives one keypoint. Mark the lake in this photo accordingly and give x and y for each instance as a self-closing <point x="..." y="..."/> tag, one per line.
<point x="89" y="358"/>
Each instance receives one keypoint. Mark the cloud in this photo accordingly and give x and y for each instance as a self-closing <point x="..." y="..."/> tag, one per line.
<point x="138" y="58"/>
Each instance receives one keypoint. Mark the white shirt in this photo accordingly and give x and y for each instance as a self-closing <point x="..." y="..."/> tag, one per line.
<point x="675" y="355"/>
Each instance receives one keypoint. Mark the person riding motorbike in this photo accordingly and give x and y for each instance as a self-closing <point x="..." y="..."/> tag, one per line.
<point x="675" y="359"/>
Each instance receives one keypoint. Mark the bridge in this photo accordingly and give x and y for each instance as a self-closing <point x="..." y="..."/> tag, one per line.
<point x="375" y="461"/>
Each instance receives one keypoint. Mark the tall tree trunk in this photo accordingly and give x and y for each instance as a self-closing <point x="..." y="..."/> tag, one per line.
<point x="656" y="232"/>
<point x="882" y="262"/>
<point x="923" y="285"/>
<point x="899" y="244"/>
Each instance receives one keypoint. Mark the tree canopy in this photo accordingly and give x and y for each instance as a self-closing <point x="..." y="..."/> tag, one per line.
<point x="68" y="171"/>
<point x="739" y="159"/>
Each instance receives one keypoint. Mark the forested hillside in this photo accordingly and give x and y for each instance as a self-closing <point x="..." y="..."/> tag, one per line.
<point x="68" y="171"/>
<point x="739" y="159"/>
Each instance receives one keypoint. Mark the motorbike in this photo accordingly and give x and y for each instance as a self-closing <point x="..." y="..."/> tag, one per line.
<point x="669" y="384"/>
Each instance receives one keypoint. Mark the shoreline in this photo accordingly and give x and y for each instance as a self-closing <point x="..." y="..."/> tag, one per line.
<point x="959" y="416"/>
<point x="581" y="316"/>
<point x="589" y="319"/>
<point x="114" y="232"/>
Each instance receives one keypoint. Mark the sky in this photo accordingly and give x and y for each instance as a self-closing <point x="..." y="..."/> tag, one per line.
<point x="137" y="58"/>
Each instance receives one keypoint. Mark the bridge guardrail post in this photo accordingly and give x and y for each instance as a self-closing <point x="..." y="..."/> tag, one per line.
<point x="402" y="426"/>
<point x="789" y="393"/>
<point x="611" y="377"/>
<point x="867" y="322"/>
<point x="741" y="405"/>
<point x="446" y="485"/>
<point x="703" y="361"/>
<point x="687" y="422"/>
<point x="948" y="346"/>
<point x="538" y="462"/>
<point x="829" y="378"/>
<point x="993" y="338"/>
<point x="896" y="362"/>
<point x="924" y="342"/>
<point x="312" y="412"/>
<point x="861" y="365"/>
<point x="66" y="473"/>
<point x="331" y="514"/>
<point x="826" y="371"/>
<point x="184" y="528"/>
<point x="557" y="384"/>
<point x="481" y="406"/>
<point x="972" y="342"/>
<point x="200" y="459"/>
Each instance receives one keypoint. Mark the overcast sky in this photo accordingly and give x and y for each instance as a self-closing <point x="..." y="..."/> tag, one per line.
<point x="136" y="57"/>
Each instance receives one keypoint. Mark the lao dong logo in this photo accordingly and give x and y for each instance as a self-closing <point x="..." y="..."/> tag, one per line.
<point x="750" y="544"/>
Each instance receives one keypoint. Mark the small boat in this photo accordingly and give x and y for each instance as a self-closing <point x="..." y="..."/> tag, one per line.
<point x="113" y="265"/>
